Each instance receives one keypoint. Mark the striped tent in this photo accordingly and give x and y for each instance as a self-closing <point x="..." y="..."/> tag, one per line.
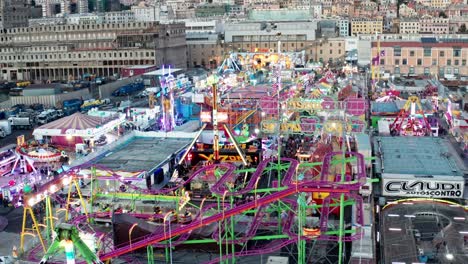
<point x="77" y="121"/>
<point x="72" y="129"/>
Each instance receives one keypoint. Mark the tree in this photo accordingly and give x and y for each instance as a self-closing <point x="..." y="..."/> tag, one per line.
<point x="462" y="28"/>
<point x="442" y="14"/>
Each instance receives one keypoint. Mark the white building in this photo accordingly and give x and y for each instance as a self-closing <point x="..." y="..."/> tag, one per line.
<point x="119" y="17"/>
<point x="82" y="19"/>
<point x="316" y="10"/>
<point x="343" y="25"/>
<point x="146" y="13"/>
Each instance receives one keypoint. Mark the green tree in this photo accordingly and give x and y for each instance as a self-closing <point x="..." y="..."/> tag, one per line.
<point x="442" y="14"/>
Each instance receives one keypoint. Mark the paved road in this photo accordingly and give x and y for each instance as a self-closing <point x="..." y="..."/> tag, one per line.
<point x="11" y="139"/>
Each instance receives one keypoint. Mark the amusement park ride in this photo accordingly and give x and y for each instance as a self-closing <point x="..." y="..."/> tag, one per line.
<point x="252" y="210"/>
<point x="411" y="120"/>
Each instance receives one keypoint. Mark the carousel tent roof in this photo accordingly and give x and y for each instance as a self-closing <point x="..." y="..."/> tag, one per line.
<point x="76" y="121"/>
<point x="76" y="124"/>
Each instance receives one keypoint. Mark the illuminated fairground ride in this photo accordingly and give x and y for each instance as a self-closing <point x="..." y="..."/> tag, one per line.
<point x="411" y="120"/>
<point x="249" y="210"/>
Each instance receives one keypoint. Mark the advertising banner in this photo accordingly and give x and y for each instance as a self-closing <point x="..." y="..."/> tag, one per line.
<point x="423" y="188"/>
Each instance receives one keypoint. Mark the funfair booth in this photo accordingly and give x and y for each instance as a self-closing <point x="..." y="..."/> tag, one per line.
<point x="77" y="128"/>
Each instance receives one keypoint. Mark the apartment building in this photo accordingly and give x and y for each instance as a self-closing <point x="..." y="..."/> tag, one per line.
<point x="409" y="26"/>
<point x="366" y="26"/>
<point x="434" y="25"/>
<point x="64" y="52"/>
<point x="424" y="56"/>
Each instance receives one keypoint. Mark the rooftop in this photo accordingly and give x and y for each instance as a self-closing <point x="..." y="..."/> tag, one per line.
<point x="418" y="156"/>
<point x="161" y="72"/>
<point x="142" y="153"/>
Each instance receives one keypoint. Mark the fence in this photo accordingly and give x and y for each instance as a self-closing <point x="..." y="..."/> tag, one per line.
<point x="50" y="100"/>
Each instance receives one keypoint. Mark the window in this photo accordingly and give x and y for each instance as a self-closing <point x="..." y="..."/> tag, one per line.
<point x="331" y="51"/>
<point x="419" y="61"/>
<point x="405" y="62"/>
<point x="456" y="71"/>
<point x="411" y="53"/>
<point x="456" y="52"/>
<point x="397" y="51"/>
<point x="434" y="62"/>
<point x="463" y="62"/>
<point x="411" y="70"/>
<point x="397" y="70"/>
<point x="397" y="61"/>
<point x="456" y="62"/>
<point x="427" y="71"/>
<point x="441" y="53"/>
<point x="449" y="62"/>
<point x="382" y="61"/>
<point x="449" y="70"/>
<point x="441" y="71"/>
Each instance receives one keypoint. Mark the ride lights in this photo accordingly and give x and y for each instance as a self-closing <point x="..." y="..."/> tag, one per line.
<point x="66" y="180"/>
<point x="53" y="188"/>
<point x="31" y="201"/>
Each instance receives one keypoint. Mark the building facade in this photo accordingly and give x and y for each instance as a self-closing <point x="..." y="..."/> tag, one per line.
<point x="257" y="36"/>
<point x="366" y="26"/>
<point x="434" y="25"/>
<point x="426" y="56"/>
<point x="14" y="13"/>
<point x="204" y="45"/>
<point x="67" y="52"/>
<point x="409" y="26"/>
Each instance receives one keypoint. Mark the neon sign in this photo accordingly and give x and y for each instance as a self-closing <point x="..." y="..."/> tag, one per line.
<point x="304" y="105"/>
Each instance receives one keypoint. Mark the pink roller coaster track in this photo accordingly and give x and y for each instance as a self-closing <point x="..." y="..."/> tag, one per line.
<point x="220" y="188"/>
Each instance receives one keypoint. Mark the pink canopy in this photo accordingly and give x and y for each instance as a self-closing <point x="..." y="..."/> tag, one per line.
<point x="72" y="129"/>
<point x="77" y="121"/>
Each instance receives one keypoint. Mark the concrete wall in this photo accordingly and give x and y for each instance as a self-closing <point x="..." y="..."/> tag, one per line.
<point x="106" y="90"/>
<point x="50" y="100"/>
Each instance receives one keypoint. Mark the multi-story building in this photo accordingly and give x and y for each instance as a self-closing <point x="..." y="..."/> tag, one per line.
<point x="210" y="10"/>
<point x="409" y="26"/>
<point x="63" y="52"/>
<point x="122" y="17"/>
<point x="316" y="9"/>
<point x="439" y="3"/>
<point x="424" y="56"/>
<point x="14" y="13"/>
<point x="343" y="27"/>
<point x="366" y="26"/>
<point x="204" y="46"/>
<point x="407" y="11"/>
<point x="366" y="8"/>
<point x="343" y="9"/>
<point x="264" y="37"/>
<point x="330" y="50"/>
<point x="435" y="25"/>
